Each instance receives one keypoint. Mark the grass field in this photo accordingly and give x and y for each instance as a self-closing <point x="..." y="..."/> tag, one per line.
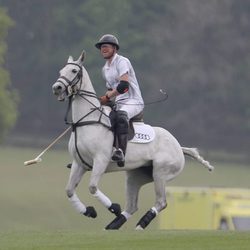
<point x="35" y="213"/>
<point x="146" y="240"/>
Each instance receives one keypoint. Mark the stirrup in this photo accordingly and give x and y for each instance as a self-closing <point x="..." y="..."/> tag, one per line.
<point x="121" y="163"/>
<point x="118" y="155"/>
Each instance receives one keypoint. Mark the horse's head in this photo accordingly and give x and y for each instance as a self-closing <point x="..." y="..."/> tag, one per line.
<point x="70" y="79"/>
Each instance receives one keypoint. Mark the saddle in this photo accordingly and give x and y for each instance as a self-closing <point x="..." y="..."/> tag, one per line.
<point x="131" y="129"/>
<point x="139" y="132"/>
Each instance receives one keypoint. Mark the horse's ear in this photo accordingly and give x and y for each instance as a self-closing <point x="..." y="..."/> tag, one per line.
<point x="82" y="56"/>
<point x="70" y="60"/>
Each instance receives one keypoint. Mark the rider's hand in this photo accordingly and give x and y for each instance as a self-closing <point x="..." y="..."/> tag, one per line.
<point x="104" y="99"/>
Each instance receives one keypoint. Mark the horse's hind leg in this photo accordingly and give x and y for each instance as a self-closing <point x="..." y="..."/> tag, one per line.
<point x="135" y="180"/>
<point x="160" y="203"/>
<point x="75" y="177"/>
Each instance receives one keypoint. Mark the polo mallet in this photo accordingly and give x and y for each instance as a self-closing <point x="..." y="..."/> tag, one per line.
<point x="38" y="158"/>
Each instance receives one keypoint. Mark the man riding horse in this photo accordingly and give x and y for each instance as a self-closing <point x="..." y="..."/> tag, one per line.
<point x="159" y="160"/>
<point x="123" y="89"/>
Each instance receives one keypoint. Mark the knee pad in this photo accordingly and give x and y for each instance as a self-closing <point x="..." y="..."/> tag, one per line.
<point x="112" y="117"/>
<point x="121" y="122"/>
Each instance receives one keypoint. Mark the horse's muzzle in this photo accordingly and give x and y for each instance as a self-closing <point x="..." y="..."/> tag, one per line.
<point x="59" y="90"/>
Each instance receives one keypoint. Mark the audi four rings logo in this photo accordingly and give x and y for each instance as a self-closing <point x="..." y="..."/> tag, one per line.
<point x="142" y="136"/>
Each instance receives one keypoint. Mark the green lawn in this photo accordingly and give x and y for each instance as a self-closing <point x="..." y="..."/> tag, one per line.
<point x="146" y="240"/>
<point x="35" y="212"/>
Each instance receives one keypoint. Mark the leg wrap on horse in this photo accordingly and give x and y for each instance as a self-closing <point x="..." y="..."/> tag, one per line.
<point x="116" y="223"/>
<point x="90" y="212"/>
<point x="115" y="208"/>
<point x="146" y="219"/>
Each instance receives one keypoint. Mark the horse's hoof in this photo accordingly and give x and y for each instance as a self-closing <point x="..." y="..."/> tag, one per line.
<point x="69" y="165"/>
<point x="139" y="228"/>
<point x="90" y="212"/>
<point x="116" y="223"/>
<point x="115" y="208"/>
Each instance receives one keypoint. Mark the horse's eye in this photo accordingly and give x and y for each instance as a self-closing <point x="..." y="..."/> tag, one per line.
<point x="74" y="71"/>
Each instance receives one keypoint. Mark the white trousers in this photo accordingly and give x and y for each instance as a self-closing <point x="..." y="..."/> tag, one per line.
<point x="132" y="107"/>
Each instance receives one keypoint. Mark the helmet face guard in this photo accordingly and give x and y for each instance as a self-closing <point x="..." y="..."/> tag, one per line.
<point x="108" y="39"/>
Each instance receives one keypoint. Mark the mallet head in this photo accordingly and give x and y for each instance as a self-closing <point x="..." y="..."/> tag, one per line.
<point x="34" y="161"/>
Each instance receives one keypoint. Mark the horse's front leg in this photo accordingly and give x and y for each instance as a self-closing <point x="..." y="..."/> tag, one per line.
<point x="98" y="170"/>
<point x="75" y="177"/>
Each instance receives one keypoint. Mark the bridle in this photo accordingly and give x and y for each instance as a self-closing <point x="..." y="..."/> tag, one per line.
<point x="70" y="88"/>
<point x="72" y="92"/>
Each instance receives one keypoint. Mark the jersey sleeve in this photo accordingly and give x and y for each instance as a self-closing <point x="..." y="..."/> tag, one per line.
<point x="108" y="86"/>
<point x="123" y="67"/>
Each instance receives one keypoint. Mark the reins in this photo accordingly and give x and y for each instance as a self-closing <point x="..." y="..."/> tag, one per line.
<point x="80" y="122"/>
<point x="83" y="94"/>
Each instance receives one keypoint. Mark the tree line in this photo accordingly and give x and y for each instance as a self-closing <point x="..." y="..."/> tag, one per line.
<point x="8" y="97"/>
<point x="196" y="50"/>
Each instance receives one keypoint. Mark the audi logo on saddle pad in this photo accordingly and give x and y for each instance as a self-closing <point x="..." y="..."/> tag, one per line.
<point x="142" y="136"/>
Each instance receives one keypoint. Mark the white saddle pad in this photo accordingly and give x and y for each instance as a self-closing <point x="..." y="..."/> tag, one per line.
<point x="144" y="133"/>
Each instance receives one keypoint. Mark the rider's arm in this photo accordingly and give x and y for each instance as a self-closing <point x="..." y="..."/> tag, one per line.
<point x="122" y="87"/>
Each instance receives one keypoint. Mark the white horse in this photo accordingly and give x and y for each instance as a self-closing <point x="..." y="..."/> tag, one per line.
<point x="91" y="144"/>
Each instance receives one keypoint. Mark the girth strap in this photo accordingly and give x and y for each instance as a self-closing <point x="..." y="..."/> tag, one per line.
<point x="78" y="153"/>
<point x="85" y="123"/>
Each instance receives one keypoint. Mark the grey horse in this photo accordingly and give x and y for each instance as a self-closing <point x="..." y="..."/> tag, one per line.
<point x="91" y="144"/>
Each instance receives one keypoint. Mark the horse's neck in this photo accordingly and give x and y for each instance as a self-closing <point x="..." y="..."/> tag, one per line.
<point x="83" y="105"/>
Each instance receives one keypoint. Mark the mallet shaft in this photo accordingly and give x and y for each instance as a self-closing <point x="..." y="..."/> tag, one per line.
<point x="55" y="141"/>
<point x="38" y="159"/>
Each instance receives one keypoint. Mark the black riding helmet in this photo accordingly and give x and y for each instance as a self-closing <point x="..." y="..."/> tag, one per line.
<point x="108" y="39"/>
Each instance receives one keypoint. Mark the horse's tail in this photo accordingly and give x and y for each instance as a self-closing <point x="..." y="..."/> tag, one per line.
<point x="193" y="153"/>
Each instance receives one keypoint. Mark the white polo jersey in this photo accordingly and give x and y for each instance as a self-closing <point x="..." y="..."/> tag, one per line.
<point x="119" y="66"/>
